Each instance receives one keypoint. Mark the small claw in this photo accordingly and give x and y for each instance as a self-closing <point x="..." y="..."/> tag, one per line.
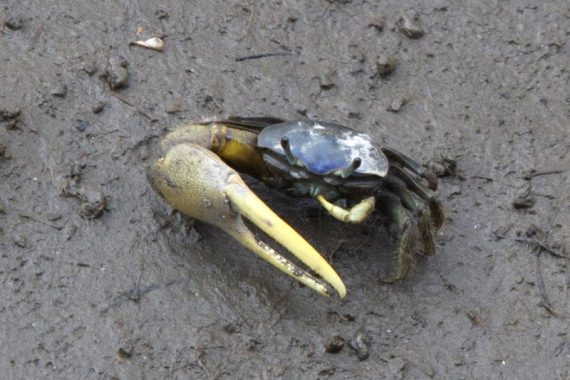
<point x="196" y="182"/>
<point x="405" y="253"/>
<point x="357" y="214"/>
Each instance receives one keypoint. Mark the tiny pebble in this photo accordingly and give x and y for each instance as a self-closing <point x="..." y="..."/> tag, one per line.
<point x="456" y="190"/>
<point x="524" y="198"/>
<point x="174" y="106"/>
<point x="396" y="105"/>
<point x="385" y="65"/>
<point x="93" y="203"/>
<point x="98" y="106"/>
<point x="458" y="360"/>
<point x="53" y="216"/>
<point x="90" y="68"/>
<point x="9" y="112"/>
<point x="14" y="23"/>
<point x="83" y="125"/>
<point x="124" y="353"/>
<point x="334" y="344"/>
<point x="20" y="240"/>
<point x="161" y="14"/>
<point x="70" y="231"/>
<point x="327" y="80"/>
<point x="377" y="23"/>
<point x="117" y="74"/>
<point x="361" y="344"/>
<point x="410" y="27"/>
<point x="59" y="90"/>
<point x="4" y="155"/>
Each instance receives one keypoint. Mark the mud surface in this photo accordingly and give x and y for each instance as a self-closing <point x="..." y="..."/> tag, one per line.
<point x="101" y="280"/>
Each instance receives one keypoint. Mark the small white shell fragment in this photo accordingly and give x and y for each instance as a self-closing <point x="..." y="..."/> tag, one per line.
<point x="154" y="43"/>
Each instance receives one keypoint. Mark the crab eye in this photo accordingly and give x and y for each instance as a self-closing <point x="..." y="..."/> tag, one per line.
<point x="356" y="163"/>
<point x="287" y="149"/>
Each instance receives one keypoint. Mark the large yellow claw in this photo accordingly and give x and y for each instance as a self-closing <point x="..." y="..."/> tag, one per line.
<point x="197" y="183"/>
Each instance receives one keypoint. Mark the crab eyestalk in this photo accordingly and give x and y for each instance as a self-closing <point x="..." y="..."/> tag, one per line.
<point x="197" y="183"/>
<point x="286" y="145"/>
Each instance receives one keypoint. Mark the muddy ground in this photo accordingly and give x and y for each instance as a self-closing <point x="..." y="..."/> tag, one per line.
<point x="101" y="280"/>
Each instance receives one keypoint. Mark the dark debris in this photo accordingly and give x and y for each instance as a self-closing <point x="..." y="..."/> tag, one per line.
<point x="116" y="73"/>
<point x="524" y="198"/>
<point x="334" y="344"/>
<point x="386" y="65"/>
<point x="410" y="27"/>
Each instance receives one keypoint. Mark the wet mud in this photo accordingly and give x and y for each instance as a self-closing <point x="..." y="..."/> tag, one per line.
<point x="100" y="279"/>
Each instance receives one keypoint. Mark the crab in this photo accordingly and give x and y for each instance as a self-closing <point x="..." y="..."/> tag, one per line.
<point x="342" y="169"/>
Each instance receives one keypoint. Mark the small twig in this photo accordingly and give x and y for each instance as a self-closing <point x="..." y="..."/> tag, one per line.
<point x="545" y="302"/>
<point x="258" y="56"/>
<point x="217" y="103"/>
<point x="488" y="179"/>
<point x="39" y="219"/>
<point x="339" y="244"/>
<point x="204" y="368"/>
<point x="135" y="294"/>
<point x="35" y="38"/>
<point x="542" y="246"/>
<point x="249" y="22"/>
<point x="152" y="119"/>
<point x="537" y="173"/>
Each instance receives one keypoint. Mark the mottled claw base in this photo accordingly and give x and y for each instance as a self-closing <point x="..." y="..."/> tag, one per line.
<point x="197" y="183"/>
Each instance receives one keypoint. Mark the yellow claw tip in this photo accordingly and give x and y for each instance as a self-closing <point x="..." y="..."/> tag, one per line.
<point x="254" y="209"/>
<point x="341" y="289"/>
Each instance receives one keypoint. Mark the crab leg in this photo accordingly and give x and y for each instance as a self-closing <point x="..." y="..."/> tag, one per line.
<point x="391" y="206"/>
<point x="425" y="220"/>
<point x="197" y="183"/>
<point x="434" y="203"/>
<point x="411" y="165"/>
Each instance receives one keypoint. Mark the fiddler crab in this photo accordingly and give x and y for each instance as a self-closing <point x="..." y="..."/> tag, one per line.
<point x="344" y="170"/>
